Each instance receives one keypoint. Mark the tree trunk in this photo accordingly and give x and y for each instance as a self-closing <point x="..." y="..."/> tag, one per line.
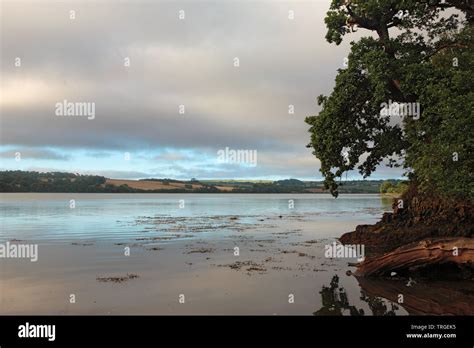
<point x="459" y="251"/>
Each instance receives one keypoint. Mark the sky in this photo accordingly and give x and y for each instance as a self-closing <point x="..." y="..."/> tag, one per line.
<point x="171" y="84"/>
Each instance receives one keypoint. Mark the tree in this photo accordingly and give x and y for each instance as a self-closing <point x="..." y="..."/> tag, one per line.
<point x="426" y="63"/>
<point x="386" y="187"/>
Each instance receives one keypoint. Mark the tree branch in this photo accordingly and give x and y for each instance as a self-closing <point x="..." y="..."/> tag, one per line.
<point x="443" y="47"/>
<point x="360" y="21"/>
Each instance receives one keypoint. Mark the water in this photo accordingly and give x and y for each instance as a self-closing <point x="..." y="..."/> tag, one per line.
<point x="183" y="246"/>
<point x="49" y="218"/>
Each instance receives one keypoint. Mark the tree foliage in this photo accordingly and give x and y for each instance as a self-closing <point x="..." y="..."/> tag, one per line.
<point x="391" y="186"/>
<point x="420" y="52"/>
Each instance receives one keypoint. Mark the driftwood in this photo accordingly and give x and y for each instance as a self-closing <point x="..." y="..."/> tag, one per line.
<point x="459" y="251"/>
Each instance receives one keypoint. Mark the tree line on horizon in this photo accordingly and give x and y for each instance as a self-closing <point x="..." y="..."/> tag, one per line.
<point x="29" y="181"/>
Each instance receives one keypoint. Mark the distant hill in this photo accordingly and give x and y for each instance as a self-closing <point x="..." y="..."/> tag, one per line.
<point x="290" y="182"/>
<point x="24" y="181"/>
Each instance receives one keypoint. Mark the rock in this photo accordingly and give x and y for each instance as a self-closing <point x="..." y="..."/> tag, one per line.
<point x="429" y="217"/>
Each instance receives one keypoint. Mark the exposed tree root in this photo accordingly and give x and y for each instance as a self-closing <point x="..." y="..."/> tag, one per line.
<point x="456" y="251"/>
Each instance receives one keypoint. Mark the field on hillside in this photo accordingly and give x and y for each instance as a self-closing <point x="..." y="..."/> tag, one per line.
<point x="159" y="185"/>
<point x="149" y="185"/>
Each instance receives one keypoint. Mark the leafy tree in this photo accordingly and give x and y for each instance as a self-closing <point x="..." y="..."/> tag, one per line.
<point x="386" y="187"/>
<point x="393" y="187"/>
<point x="421" y="53"/>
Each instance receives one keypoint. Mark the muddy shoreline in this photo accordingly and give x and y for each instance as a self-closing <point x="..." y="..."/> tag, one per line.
<point x="416" y="220"/>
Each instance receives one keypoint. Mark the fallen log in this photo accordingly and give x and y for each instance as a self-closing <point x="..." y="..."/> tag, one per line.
<point x="429" y="252"/>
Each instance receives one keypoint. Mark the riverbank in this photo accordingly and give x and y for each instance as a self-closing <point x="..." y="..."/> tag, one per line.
<point x="422" y="235"/>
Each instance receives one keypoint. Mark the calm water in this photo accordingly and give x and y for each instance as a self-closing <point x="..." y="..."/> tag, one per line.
<point x="184" y="245"/>
<point x="48" y="217"/>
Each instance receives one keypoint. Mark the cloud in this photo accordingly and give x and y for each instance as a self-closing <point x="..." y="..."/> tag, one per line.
<point x="34" y="154"/>
<point x="172" y="62"/>
<point x="99" y="154"/>
<point x="122" y="174"/>
<point x="173" y="157"/>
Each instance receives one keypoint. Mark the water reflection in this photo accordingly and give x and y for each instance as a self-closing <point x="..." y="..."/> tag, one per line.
<point x="381" y="296"/>
<point x="335" y="302"/>
<point x="425" y="297"/>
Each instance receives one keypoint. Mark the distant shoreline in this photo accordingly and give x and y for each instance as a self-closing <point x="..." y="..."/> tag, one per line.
<point x="24" y="181"/>
<point x="207" y="193"/>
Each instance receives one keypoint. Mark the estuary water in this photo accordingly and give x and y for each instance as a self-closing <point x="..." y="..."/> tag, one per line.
<point x="197" y="254"/>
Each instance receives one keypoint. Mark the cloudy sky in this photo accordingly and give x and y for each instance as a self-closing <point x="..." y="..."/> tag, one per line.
<point x="138" y="131"/>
